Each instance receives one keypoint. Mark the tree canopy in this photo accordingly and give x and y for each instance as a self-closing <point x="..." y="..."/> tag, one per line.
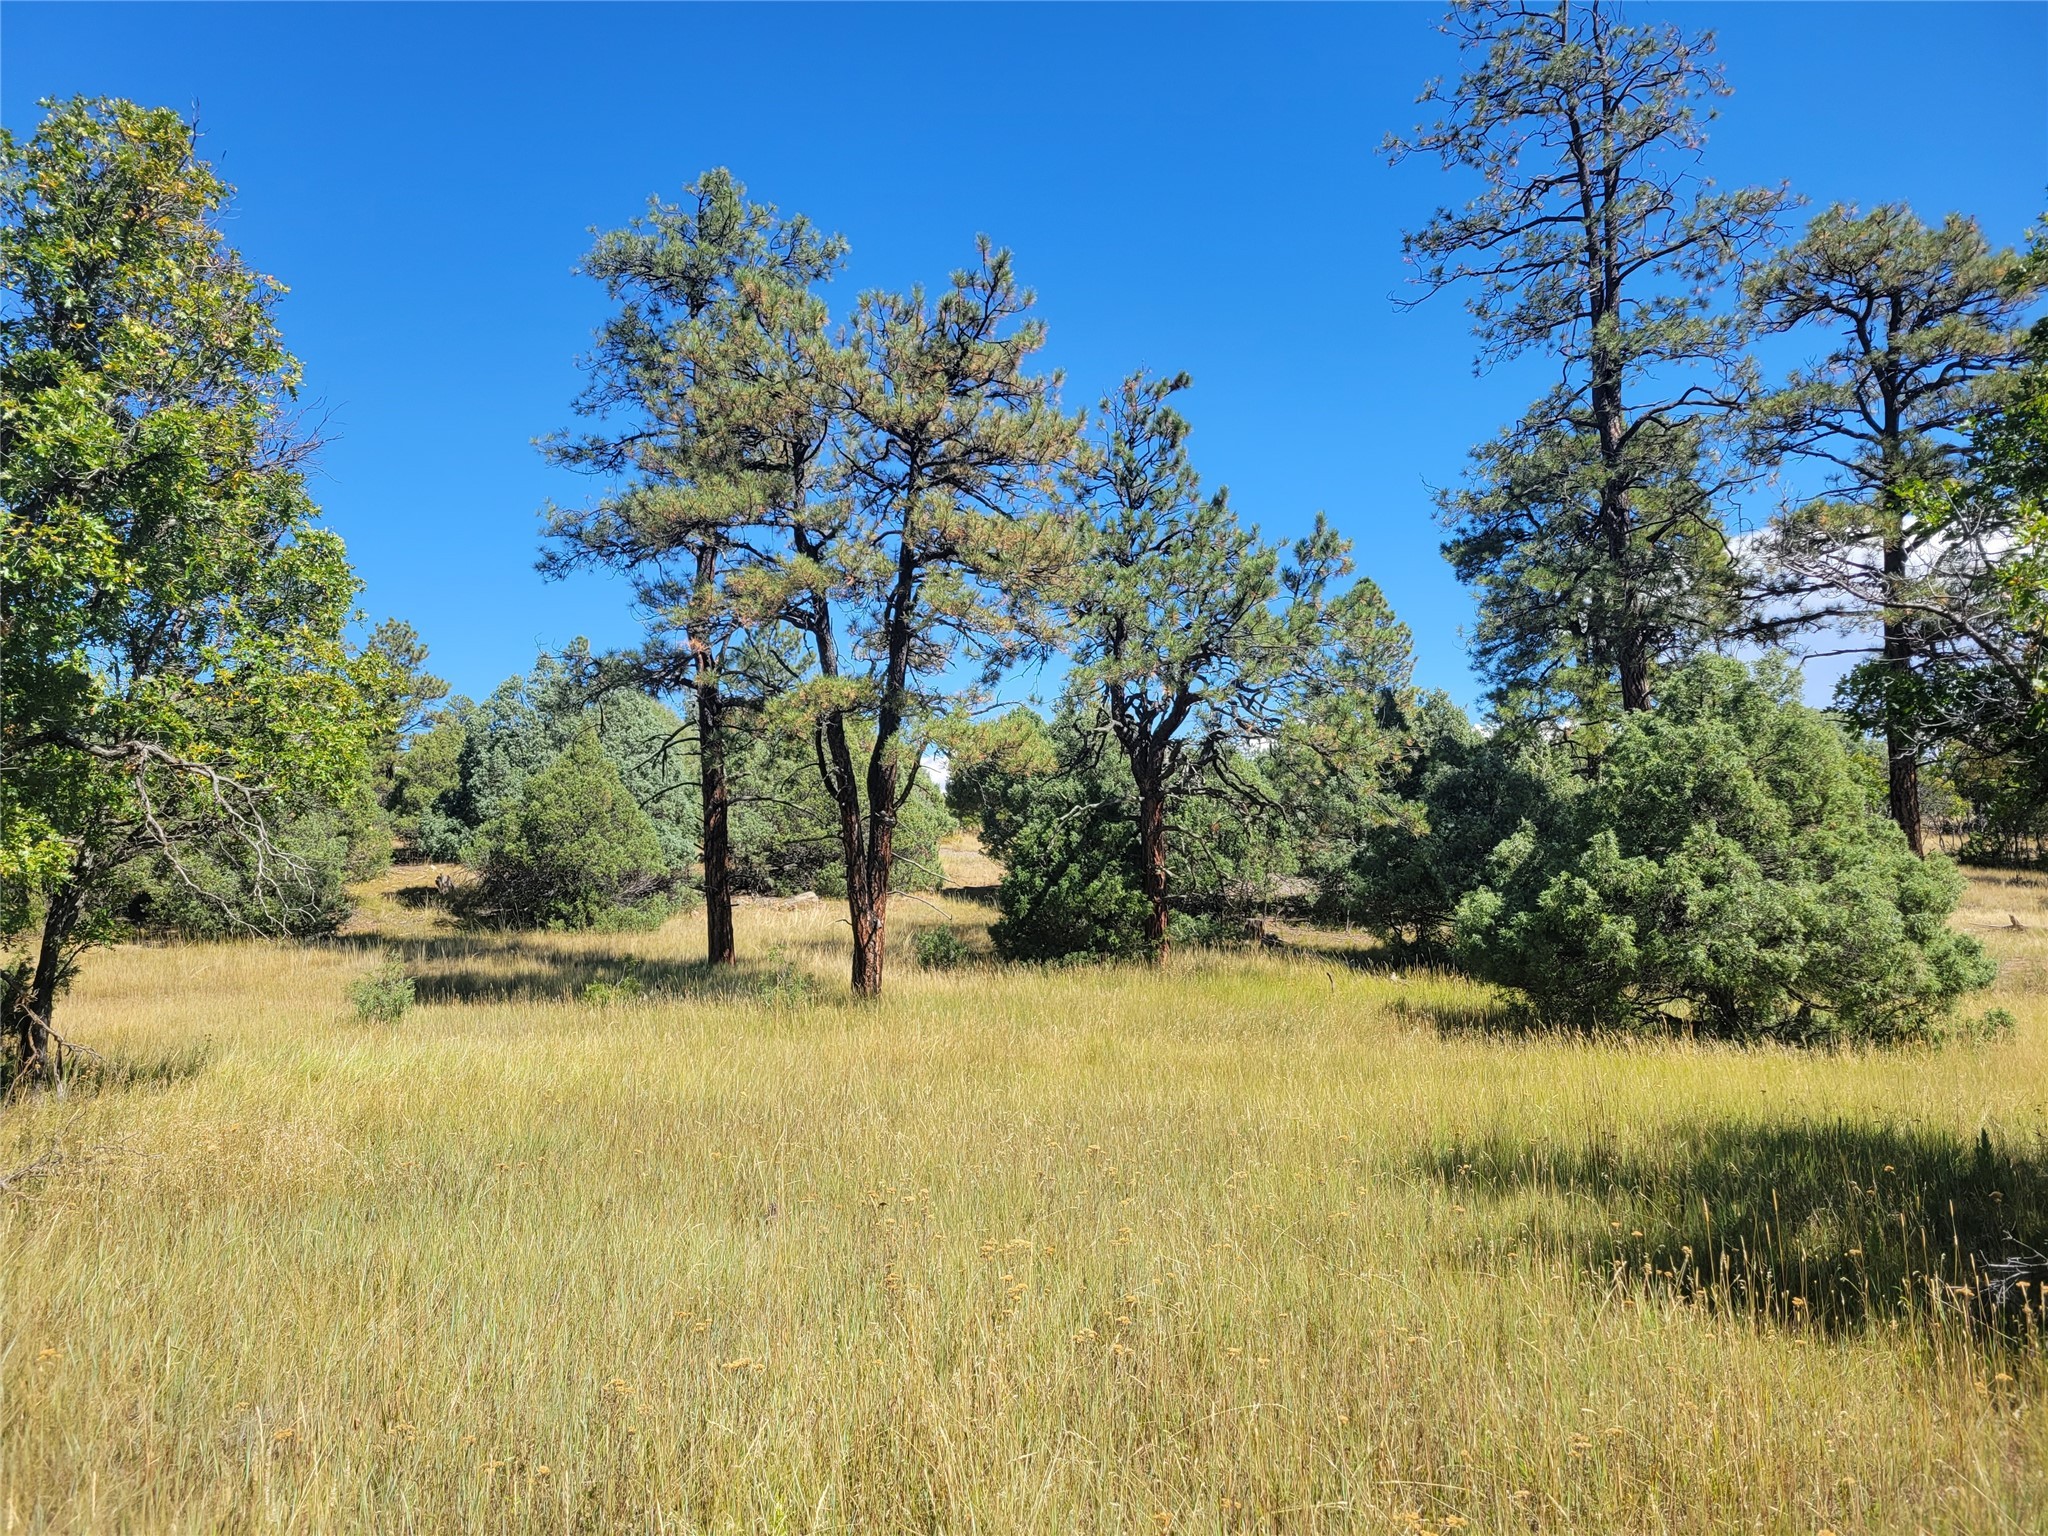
<point x="173" y="652"/>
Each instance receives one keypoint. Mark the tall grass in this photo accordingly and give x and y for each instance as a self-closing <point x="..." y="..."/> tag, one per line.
<point x="1263" y="1243"/>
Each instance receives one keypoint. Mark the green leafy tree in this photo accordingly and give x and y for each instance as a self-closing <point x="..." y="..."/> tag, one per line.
<point x="1924" y="324"/>
<point x="172" y="649"/>
<point x="573" y="849"/>
<point x="1728" y="873"/>
<point x="1194" y="645"/>
<point x="670" y="395"/>
<point x="1590" y="527"/>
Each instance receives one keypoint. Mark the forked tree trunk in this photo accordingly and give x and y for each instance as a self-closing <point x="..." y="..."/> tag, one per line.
<point x="867" y="846"/>
<point x="716" y="794"/>
<point x="1152" y="852"/>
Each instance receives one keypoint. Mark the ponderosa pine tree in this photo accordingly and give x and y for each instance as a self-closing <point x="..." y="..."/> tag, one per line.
<point x="689" y="525"/>
<point x="931" y="555"/>
<point x="1193" y="644"/>
<point x="1925" y="322"/>
<point x="172" y="652"/>
<point x="1591" y="528"/>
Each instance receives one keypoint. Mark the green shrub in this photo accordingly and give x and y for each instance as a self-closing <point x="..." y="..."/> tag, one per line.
<point x="785" y="984"/>
<point x="1464" y="793"/>
<point x="220" y="886"/>
<point x="1071" y="884"/>
<point x="940" y="949"/>
<point x="453" y="782"/>
<point x="385" y="995"/>
<point x="1063" y="820"/>
<point x="603" y="993"/>
<point x="573" y="850"/>
<point x="1727" y="872"/>
<point x="1208" y="930"/>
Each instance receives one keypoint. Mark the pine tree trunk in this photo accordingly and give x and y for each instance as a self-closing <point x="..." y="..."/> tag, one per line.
<point x="716" y="793"/>
<point x="868" y="912"/>
<point x="1901" y="751"/>
<point x="1902" y="765"/>
<point x="1633" y="663"/>
<point x="870" y="924"/>
<point x="867" y="845"/>
<point x="1617" y="526"/>
<point x="1152" y="847"/>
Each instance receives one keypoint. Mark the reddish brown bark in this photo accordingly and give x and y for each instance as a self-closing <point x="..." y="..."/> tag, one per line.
<point x="1152" y="844"/>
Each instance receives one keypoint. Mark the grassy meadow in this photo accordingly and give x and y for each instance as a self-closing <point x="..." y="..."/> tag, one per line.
<point x="1269" y="1242"/>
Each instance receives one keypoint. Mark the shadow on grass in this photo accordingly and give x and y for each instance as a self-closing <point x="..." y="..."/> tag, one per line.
<point x="1373" y="955"/>
<point x="486" y="967"/>
<point x="1818" y="1226"/>
<point x="419" y="898"/>
<point x="87" y="1072"/>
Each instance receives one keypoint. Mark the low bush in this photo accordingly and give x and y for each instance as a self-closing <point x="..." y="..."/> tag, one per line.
<point x="785" y="983"/>
<point x="604" y="992"/>
<point x="386" y="994"/>
<point x="940" y="949"/>
<point x="1210" y="930"/>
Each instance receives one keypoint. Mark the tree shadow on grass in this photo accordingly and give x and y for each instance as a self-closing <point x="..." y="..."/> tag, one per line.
<point x="1366" y="955"/>
<point x="488" y="967"/>
<point x="85" y="1072"/>
<point x="420" y="898"/>
<point x="1820" y="1226"/>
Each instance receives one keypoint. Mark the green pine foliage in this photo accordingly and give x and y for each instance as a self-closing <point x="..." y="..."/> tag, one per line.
<point x="1590" y="528"/>
<point x="1059" y="808"/>
<point x="785" y="827"/>
<point x="1464" y="792"/>
<point x="458" y="777"/>
<point x="1901" y="550"/>
<point x="1073" y="882"/>
<point x="1730" y="872"/>
<point x="573" y="849"/>
<point x="1201" y="651"/>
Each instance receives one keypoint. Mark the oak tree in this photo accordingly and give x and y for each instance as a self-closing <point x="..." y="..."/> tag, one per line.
<point x="172" y="653"/>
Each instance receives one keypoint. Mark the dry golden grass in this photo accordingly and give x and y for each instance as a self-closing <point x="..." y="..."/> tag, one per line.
<point x="1266" y="1243"/>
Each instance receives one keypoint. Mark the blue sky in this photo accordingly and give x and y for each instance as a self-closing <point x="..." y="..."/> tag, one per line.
<point x="1191" y="188"/>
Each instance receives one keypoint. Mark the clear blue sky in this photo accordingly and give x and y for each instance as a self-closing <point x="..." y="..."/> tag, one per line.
<point x="1189" y="188"/>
